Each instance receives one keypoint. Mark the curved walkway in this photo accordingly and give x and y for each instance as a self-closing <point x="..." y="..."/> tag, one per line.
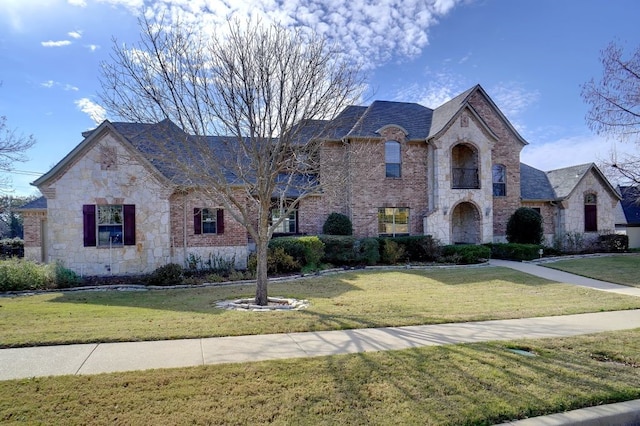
<point x="97" y="358"/>
<point x="565" y="277"/>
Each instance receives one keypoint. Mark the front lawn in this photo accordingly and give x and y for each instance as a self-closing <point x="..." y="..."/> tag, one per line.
<point x="621" y="269"/>
<point x="473" y="384"/>
<point x="358" y="299"/>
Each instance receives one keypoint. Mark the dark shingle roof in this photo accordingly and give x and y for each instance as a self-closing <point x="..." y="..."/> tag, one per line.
<point x="534" y="184"/>
<point x="39" y="203"/>
<point x="565" y="180"/>
<point x="414" y="118"/>
<point x="630" y="203"/>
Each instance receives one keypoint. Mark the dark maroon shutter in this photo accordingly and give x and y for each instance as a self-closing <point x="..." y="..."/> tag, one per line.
<point x="197" y="221"/>
<point x="129" y="213"/>
<point x="89" y="225"/>
<point x="590" y="218"/>
<point x="220" y="221"/>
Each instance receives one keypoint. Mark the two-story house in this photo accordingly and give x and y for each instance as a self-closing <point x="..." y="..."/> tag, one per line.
<point x="394" y="168"/>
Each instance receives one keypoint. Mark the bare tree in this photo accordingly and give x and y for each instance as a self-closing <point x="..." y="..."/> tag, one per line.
<point x="12" y="147"/>
<point x="614" y="103"/>
<point x="253" y="100"/>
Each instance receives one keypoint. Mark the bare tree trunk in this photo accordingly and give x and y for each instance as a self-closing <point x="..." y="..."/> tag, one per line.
<point x="262" y="247"/>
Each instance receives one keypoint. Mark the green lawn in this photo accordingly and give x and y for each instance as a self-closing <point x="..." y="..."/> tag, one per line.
<point x="474" y="384"/>
<point x="352" y="300"/>
<point x="622" y="269"/>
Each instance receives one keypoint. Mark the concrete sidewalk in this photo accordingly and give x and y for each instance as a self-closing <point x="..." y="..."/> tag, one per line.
<point x="112" y="357"/>
<point x="565" y="277"/>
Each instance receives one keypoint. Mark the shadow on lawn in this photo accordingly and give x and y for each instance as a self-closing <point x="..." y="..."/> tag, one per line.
<point x="204" y="299"/>
<point x="479" y="383"/>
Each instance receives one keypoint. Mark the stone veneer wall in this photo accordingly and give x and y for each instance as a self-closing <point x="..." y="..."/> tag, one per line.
<point x="573" y="207"/>
<point x="121" y="180"/>
<point x="506" y="151"/>
<point x="465" y="130"/>
<point x="230" y="245"/>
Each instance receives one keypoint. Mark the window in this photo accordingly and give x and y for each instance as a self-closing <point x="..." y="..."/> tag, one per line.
<point x="499" y="173"/>
<point x="208" y="221"/>
<point x="464" y="167"/>
<point x="393" y="221"/>
<point x="109" y="225"/>
<point x="289" y="224"/>
<point x="590" y="213"/>
<point x="392" y="159"/>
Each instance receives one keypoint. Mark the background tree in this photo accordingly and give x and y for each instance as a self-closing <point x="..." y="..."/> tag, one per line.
<point x="265" y="90"/>
<point x="614" y="103"/>
<point x="10" y="221"/>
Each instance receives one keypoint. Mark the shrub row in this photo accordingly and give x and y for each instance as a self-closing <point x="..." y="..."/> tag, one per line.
<point x="18" y="275"/>
<point x="514" y="251"/>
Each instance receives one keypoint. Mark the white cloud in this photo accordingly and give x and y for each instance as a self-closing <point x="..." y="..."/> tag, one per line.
<point x="438" y="88"/>
<point x="570" y="151"/>
<point x="66" y="87"/>
<point x="512" y="98"/>
<point x="373" y="32"/>
<point x="75" y="34"/>
<point x="52" y="43"/>
<point x="79" y="3"/>
<point x="93" y="47"/>
<point x="96" y="112"/>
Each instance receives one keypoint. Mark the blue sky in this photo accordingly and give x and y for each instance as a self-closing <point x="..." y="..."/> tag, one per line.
<point x="530" y="56"/>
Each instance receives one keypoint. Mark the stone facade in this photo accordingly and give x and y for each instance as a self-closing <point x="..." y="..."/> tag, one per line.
<point x="455" y="205"/>
<point x="572" y="212"/>
<point x="86" y="181"/>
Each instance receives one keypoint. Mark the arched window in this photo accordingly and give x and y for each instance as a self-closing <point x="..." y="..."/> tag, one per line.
<point x="590" y="213"/>
<point x="499" y="173"/>
<point x="464" y="167"/>
<point x="392" y="159"/>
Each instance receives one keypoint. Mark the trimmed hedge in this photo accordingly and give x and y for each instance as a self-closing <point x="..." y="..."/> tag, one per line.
<point x="346" y="250"/>
<point x="337" y="224"/>
<point x="466" y="253"/>
<point x="418" y="248"/>
<point x="306" y="251"/>
<point x="514" y="251"/>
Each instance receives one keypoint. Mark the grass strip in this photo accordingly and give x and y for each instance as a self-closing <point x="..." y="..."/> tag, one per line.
<point x="621" y="269"/>
<point x="472" y="384"/>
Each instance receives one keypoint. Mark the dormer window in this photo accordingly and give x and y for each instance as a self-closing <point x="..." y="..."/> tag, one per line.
<point x="392" y="159"/>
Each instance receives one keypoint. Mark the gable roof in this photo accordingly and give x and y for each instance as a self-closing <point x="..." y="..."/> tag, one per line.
<point x="535" y="185"/>
<point x="565" y="180"/>
<point x="124" y="132"/>
<point x="447" y="112"/>
<point x="630" y="204"/>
